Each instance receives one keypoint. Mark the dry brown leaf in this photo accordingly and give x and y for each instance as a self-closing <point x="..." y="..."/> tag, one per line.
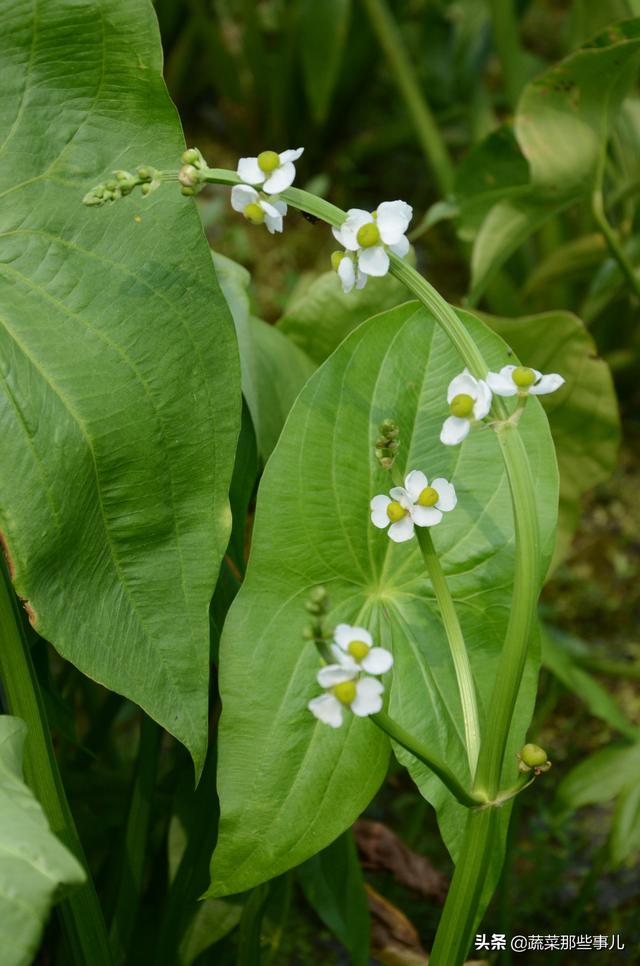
<point x="381" y="849"/>
<point x="394" y="940"/>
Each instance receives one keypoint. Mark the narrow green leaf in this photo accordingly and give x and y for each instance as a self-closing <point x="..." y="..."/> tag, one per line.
<point x="289" y="785"/>
<point x="33" y="863"/>
<point x="119" y="390"/>
<point x="323" y="35"/>
<point x="625" y="830"/>
<point x="583" y="414"/>
<point x="600" y="777"/>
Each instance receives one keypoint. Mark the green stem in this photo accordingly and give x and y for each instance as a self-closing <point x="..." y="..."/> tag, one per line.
<point x="507" y="40"/>
<point x="619" y="669"/>
<point x="457" y="646"/>
<point x="616" y="249"/>
<point x="135" y="843"/>
<point x="422" y="753"/>
<point x="431" y="141"/>
<point x="81" y="913"/>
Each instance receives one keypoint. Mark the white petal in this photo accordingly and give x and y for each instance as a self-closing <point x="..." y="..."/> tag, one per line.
<point x="547" y="384"/>
<point x="373" y="261"/>
<point x="368" y="699"/>
<point x="347" y="274"/>
<point x="454" y="430"/>
<point x="342" y="658"/>
<point x="327" y="709"/>
<point x="279" y="205"/>
<point x="400" y="494"/>
<point x="334" y="674"/>
<point x="393" y="220"/>
<point x="426" y="516"/>
<point x="280" y="179"/>
<point x="356" y="218"/>
<point x="402" y="530"/>
<point x="462" y="384"/>
<point x="269" y="209"/>
<point x="483" y="400"/>
<point x="273" y="222"/>
<point x="501" y="383"/>
<point x="361" y="279"/>
<point x="377" y="661"/>
<point x="249" y="170"/>
<point x="342" y="635"/>
<point x="379" y="506"/>
<point x="361" y="634"/>
<point x="414" y="484"/>
<point x="400" y="248"/>
<point x="292" y="154"/>
<point x="447" y="498"/>
<point x="241" y="196"/>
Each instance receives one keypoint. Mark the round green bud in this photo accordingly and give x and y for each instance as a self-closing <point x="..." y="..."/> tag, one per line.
<point x="191" y="156"/>
<point x="368" y="235"/>
<point x="268" y="161"/>
<point x="395" y="511"/>
<point x="111" y="185"/>
<point x="146" y="188"/>
<point x="533" y="755"/>
<point x="523" y="377"/>
<point x="428" y="497"/>
<point x="462" y="405"/>
<point x="187" y="192"/>
<point x="254" y="213"/>
<point x="188" y="175"/>
<point x="336" y="258"/>
<point x="145" y="173"/>
<point x="345" y="692"/>
<point x="358" y="649"/>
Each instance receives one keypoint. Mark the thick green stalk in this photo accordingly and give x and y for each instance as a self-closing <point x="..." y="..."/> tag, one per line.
<point x="81" y="913"/>
<point x="135" y="842"/>
<point x="507" y="40"/>
<point x="466" y="686"/>
<point x="432" y="143"/>
<point x="616" y="249"/>
<point x="422" y="753"/>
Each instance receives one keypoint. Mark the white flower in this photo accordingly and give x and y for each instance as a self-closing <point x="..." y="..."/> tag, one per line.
<point x="345" y="688"/>
<point x="275" y="172"/>
<point x="370" y="235"/>
<point x="418" y="503"/>
<point x="349" y="274"/>
<point x="353" y="648"/>
<point x="520" y="380"/>
<point x="256" y="209"/>
<point x="469" y="399"/>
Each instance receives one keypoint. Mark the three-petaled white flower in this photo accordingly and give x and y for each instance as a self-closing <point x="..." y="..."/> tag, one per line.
<point x="257" y="209"/>
<point x="275" y="172"/>
<point x="346" y="266"/>
<point x="522" y="381"/>
<point x="417" y="503"/>
<point x="469" y="399"/>
<point x="370" y="235"/>
<point x="345" y="688"/>
<point x="353" y="647"/>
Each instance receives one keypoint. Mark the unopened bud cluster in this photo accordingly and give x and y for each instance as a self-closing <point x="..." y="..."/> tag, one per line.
<point x="533" y="758"/>
<point x="191" y="174"/>
<point x="122" y="184"/>
<point x="318" y="606"/>
<point x="387" y="443"/>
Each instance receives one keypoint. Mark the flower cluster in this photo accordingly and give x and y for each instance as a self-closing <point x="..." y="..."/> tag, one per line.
<point x="417" y="503"/>
<point x="271" y="173"/>
<point x="367" y="238"/>
<point x="122" y="184"/>
<point x="349" y="682"/>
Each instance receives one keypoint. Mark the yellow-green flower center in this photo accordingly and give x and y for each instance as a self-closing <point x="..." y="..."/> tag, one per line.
<point x="254" y="213"/>
<point x="268" y="161"/>
<point x="462" y="405"/>
<point x="358" y="649"/>
<point x="368" y="235"/>
<point x="395" y="511"/>
<point x="428" y="497"/>
<point x="523" y="377"/>
<point x="336" y="258"/>
<point x="345" y="692"/>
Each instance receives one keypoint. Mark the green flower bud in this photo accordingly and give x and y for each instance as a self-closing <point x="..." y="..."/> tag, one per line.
<point x="462" y="405"/>
<point x="184" y="190"/>
<point x="191" y="156"/>
<point x="345" y="692"/>
<point x="145" y="173"/>
<point x="389" y="429"/>
<point x="523" y="377"/>
<point x="336" y="258"/>
<point x="111" y="185"/>
<point x="428" y="497"/>
<point x="533" y="757"/>
<point x="368" y="235"/>
<point x="188" y="176"/>
<point x="395" y="511"/>
<point x="268" y="161"/>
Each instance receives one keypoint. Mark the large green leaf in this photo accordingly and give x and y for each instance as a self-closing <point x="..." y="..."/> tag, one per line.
<point x="119" y="391"/>
<point x="562" y="124"/>
<point x="583" y="415"/>
<point x="33" y="863"/>
<point x="289" y="785"/>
